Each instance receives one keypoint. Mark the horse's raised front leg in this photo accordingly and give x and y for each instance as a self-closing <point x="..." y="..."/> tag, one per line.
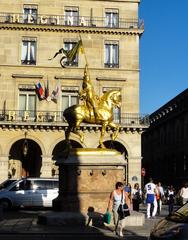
<point x="78" y="132"/>
<point x="103" y="130"/>
<point x="116" y="130"/>
<point x="67" y="137"/>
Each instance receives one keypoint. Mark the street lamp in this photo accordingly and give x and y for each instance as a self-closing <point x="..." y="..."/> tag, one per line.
<point x="25" y="147"/>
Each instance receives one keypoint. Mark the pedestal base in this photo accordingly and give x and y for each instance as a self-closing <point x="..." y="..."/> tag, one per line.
<point x="70" y="219"/>
<point x="86" y="178"/>
<point x="90" y="219"/>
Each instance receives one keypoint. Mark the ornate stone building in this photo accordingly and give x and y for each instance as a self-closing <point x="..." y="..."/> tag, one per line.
<point x="31" y="32"/>
<point x="164" y="144"/>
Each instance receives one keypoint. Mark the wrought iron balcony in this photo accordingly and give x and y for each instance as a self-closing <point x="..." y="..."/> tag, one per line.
<point x="28" y="62"/>
<point x="56" y="117"/>
<point x="111" y="65"/>
<point x="63" y="20"/>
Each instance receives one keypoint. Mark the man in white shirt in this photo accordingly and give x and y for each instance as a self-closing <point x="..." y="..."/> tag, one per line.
<point x="150" y="190"/>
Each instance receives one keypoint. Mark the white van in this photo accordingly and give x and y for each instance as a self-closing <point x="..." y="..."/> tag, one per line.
<point x="30" y="192"/>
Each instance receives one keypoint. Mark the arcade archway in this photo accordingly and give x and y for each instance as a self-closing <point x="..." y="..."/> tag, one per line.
<point x="120" y="148"/>
<point x="57" y="153"/>
<point x="61" y="146"/>
<point x="25" y="159"/>
<point x="116" y="145"/>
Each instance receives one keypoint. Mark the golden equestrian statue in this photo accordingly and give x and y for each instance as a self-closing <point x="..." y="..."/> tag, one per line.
<point x="94" y="110"/>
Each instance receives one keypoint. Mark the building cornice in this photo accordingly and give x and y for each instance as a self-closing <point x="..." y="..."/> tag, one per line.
<point x="69" y="77"/>
<point x="62" y="127"/>
<point x="70" y="29"/>
<point x="111" y="79"/>
<point x="26" y="76"/>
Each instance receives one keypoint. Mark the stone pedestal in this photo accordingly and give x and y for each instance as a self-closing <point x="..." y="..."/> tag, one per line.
<point x="86" y="178"/>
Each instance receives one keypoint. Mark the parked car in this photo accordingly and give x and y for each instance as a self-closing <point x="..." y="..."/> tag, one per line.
<point x="6" y="183"/>
<point x="30" y="192"/>
<point x="173" y="227"/>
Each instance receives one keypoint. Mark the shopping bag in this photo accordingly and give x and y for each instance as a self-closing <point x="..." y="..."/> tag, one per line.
<point x="107" y="217"/>
<point x="123" y="211"/>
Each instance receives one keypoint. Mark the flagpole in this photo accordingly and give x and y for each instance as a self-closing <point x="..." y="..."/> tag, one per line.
<point x="84" y="51"/>
<point x="84" y="55"/>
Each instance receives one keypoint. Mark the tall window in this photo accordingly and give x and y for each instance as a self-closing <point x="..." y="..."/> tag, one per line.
<point x="117" y="115"/>
<point x="30" y="13"/>
<point x="68" y="99"/>
<point x="27" y="102"/>
<point x="111" y="55"/>
<point x="71" y="16"/>
<point x="28" y="51"/>
<point x="69" y="46"/>
<point x="111" y="18"/>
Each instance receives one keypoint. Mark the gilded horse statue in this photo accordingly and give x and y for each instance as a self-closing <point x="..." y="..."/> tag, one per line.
<point x="77" y="114"/>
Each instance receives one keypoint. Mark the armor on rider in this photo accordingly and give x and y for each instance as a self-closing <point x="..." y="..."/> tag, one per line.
<point x="88" y="94"/>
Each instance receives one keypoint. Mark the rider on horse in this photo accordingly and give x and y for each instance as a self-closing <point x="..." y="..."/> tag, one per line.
<point x="88" y="95"/>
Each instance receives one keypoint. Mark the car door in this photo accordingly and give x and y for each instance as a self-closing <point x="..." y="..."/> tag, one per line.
<point x="38" y="191"/>
<point x="52" y="192"/>
<point x="44" y="192"/>
<point x="21" y="193"/>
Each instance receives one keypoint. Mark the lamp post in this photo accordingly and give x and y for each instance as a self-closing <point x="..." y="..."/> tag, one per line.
<point x="25" y="147"/>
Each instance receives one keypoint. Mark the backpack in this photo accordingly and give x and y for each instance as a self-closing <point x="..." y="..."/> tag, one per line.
<point x="138" y="196"/>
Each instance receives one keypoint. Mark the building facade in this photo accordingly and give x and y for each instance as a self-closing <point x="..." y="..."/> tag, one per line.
<point x="164" y="144"/>
<point x="32" y="126"/>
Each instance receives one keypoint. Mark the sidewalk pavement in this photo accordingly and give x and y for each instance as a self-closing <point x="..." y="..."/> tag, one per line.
<point x="25" y="222"/>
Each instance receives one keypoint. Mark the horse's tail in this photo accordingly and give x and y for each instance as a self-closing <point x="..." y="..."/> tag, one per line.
<point x="69" y="113"/>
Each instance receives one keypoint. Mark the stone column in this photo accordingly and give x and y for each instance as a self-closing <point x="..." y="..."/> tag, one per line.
<point x="3" y="167"/>
<point x="134" y="170"/>
<point x="46" y="169"/>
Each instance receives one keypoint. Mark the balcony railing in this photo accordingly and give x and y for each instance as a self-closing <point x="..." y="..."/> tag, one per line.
<point x="62" y="20"/>
<point x="111" y="65"/>
<point x="18" y="116"/>
<point x="28" y="62"/>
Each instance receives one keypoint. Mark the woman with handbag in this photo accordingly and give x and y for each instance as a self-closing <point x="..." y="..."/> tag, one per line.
<point x="136" y="197"/>
<point x="117" y="197"/>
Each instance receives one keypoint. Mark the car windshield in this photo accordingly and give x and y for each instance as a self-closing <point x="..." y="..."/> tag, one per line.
<point x="181" y="215"/>
<point x="6" y="183"/>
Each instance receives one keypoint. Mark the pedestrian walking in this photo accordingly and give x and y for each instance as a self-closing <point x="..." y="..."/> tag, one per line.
<point x="151" y="201"/>
<point x="128" y="190"/>
<point x="170" y="198"/>
<point x="136" y="197"/>
<point x="159" y="197"/>
<point x="184" y="193"/>
<point x="117" y="196"/>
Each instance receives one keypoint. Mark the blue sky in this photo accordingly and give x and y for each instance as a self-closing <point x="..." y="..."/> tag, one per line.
<point x="163" y="52"/>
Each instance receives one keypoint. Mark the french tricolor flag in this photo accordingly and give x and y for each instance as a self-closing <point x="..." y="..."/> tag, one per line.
<point x="40" y="91"/>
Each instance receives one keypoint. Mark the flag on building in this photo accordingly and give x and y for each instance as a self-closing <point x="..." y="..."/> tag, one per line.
<point x="55" y="93"/>
<point x="40" y="91"/>
<point x="69" y="54"/>
<point x="46" y="91"/>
